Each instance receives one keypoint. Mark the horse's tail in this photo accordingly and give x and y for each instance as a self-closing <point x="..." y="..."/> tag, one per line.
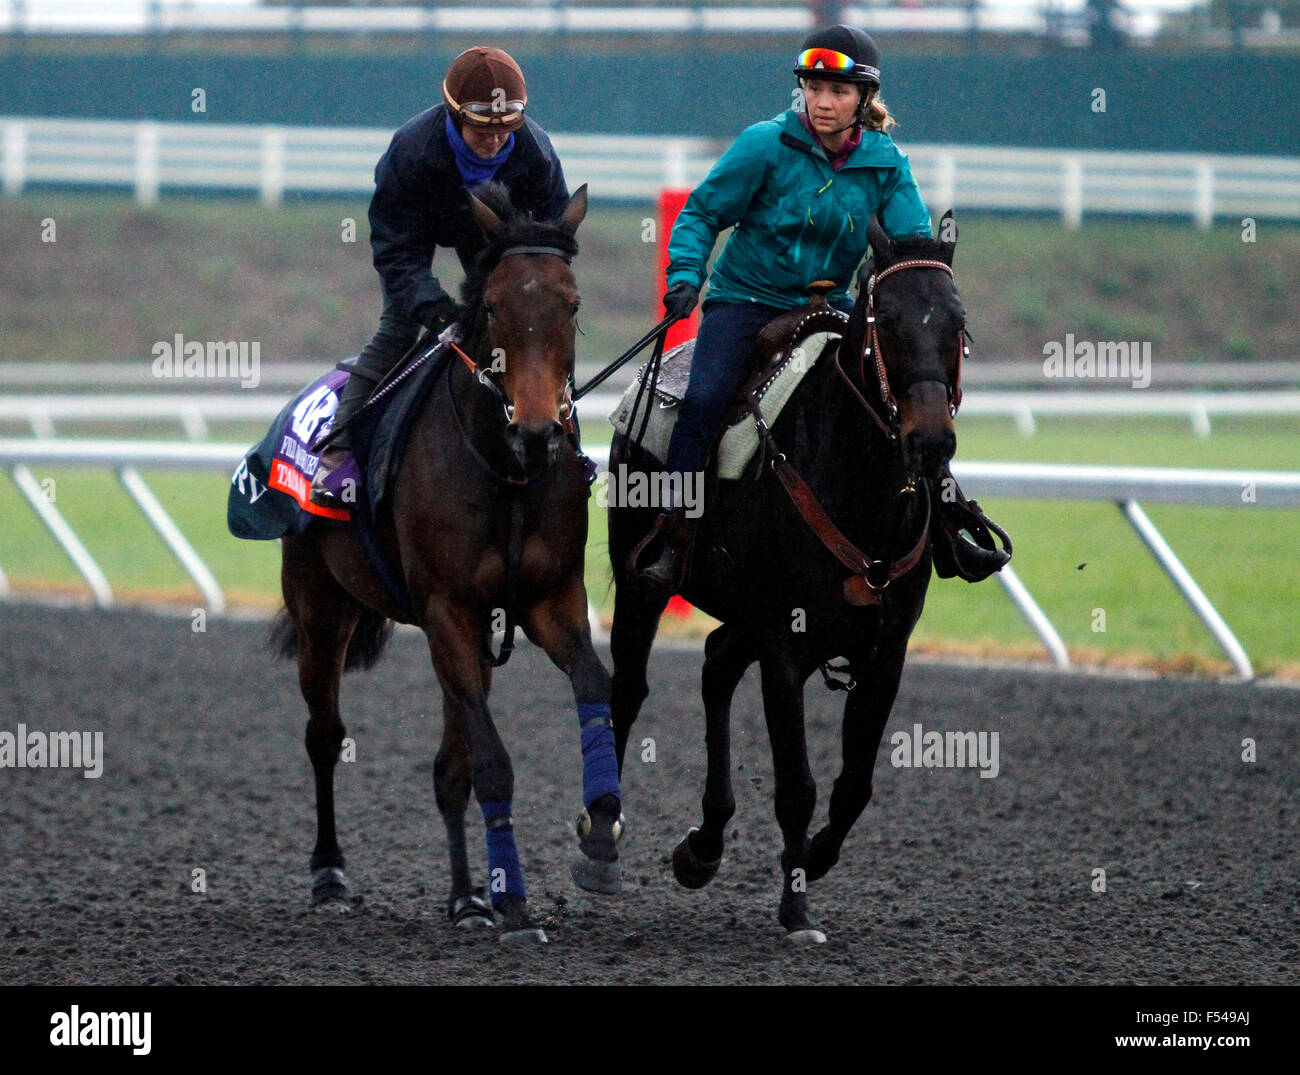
<point x="369" y="640"/>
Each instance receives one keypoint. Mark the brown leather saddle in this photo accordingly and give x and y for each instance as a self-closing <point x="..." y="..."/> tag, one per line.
<point x="779" y="341"/>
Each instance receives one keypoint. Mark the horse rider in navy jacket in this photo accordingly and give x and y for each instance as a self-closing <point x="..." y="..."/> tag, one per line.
<point x="421" y="201"/>
<point x="799" y="190"/>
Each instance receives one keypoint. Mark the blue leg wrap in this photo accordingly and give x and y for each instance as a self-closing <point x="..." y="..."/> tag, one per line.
<point x="599" y="761"/>
<point x="505" y="874"/>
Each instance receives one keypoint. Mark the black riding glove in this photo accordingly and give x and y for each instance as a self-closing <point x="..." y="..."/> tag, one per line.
<point x="438" y="314"/>
<point x="680" y="300"/>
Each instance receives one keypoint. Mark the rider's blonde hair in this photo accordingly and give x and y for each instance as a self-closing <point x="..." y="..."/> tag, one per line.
<point x="878" y="117"/>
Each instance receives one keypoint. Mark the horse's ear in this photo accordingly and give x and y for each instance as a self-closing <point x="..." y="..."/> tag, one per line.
<point x="487" y="220"/>
<point x="880" y="245"/>
<point x="948" y="236"/>
<point x="575" y="211"/>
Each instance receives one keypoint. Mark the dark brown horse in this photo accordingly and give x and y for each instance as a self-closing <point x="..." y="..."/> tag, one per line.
<point x="488" y="522"/>
<point x="865" y="432"/>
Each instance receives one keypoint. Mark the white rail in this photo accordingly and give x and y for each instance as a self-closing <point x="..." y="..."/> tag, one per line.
<point x="105" y="17"/>
<point x="1120" y="485"/>
<point x="156" y="158"/>
<point x="194" y="411"/>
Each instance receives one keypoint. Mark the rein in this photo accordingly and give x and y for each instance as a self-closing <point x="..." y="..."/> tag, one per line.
<point x="658" y="333"/>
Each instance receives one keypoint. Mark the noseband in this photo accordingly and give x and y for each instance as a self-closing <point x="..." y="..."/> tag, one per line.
<point x="871" y="346"/>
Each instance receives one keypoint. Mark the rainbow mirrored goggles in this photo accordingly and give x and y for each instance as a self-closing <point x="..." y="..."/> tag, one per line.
<point x="833" y="63"/>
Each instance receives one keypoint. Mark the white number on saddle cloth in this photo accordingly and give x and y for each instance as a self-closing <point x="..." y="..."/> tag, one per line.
<point x="312" y="411"/>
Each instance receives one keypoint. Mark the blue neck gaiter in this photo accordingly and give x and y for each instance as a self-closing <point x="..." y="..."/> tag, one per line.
<point x="473" y="168"/>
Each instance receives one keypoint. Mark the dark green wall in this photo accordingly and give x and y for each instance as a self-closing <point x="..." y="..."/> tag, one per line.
<point x="1210" y="103"/>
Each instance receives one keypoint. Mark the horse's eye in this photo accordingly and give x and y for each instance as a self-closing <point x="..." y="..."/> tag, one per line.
<point x="489" y="309"/>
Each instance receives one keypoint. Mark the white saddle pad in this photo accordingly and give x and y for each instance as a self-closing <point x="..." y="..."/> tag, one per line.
<point x="739" y="442"/>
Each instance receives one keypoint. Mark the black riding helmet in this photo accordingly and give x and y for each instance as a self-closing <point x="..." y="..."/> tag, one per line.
<point x="841" y="54"/>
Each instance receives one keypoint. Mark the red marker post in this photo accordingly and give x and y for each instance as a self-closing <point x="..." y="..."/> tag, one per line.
<point x="671" y="202"/>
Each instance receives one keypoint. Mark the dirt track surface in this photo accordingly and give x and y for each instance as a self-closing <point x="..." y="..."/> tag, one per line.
<point x="947" y="877"/>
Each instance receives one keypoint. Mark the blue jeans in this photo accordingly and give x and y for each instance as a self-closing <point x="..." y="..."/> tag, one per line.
<point x="724" y="349"/>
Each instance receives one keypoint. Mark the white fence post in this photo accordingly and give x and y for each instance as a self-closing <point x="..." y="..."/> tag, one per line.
<point x="1034" y="615"/>
<point x="63" y="534"/>
<point x="1203" y="210"/>
<point x="15" y="142"/>
<point x="146" y="164"/>
<point x="1072" y="192"/>
<point x="272" y="185"/>
<point x="675" y="165"/>
<point x="1187" y="586"/>
<point x="945" y="181"/>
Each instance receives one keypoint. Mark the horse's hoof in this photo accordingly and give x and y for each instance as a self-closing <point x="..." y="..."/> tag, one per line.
<point x="329" y="890"/>
<point x="527" y="935"/>
<point x="471" y="912"/>
<point x="592" y="876"/>
<point x="690" y="870"/>
<point x="583" y="826"/>
<point x="806" y="936"/>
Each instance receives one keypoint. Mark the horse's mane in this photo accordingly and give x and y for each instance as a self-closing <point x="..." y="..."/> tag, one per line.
<point x="520" y="229"/>
<point x="917" y="246"/>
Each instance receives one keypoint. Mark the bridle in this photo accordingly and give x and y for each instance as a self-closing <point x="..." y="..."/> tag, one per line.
<point x="871" y="347"/>
<point x="489" y="377"/>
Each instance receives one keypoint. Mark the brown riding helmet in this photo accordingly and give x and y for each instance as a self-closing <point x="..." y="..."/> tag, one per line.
<point x="485" y="86"/>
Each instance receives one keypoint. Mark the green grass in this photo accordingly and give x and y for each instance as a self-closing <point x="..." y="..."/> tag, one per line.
<point x="1242" y="557"/>
<point x="119" y="278"/>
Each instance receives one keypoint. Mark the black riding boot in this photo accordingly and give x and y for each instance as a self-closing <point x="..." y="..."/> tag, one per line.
<point x="974" y="558"/>
<point x="677" y="530"/>
<point x="355" y="393"/>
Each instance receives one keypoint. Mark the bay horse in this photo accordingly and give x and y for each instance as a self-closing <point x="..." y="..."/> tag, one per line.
<point x="488" y="517"/>
<point x="855" y="446"/>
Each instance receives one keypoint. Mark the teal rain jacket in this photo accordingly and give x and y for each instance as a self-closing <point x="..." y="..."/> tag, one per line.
<point x="796" y="219"/>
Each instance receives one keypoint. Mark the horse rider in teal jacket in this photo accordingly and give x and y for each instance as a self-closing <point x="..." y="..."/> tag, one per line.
<point x="799" y="191"/>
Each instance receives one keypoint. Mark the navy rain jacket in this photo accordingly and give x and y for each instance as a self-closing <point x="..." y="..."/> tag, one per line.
<point x="420" y="203"/>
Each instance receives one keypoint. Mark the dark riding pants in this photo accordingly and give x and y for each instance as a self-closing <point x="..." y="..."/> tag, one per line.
<point x="723" y="350"/>
<point x="397" y="335"/>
